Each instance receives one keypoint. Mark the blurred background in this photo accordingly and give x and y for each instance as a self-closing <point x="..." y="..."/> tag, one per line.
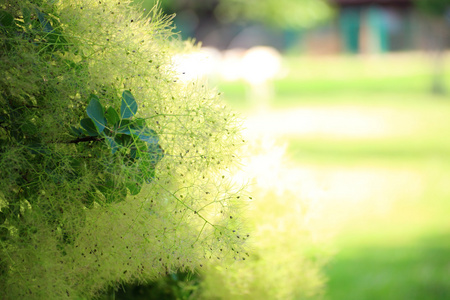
<point x="348" y="120"/>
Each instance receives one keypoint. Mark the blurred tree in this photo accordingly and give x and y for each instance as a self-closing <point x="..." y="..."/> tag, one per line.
<point x="287" y="14"/>
<point x="437" y="16"/>
<point x="436" y="8"/>
<point x="197" y="18"/>
<point x="277" y="13"/>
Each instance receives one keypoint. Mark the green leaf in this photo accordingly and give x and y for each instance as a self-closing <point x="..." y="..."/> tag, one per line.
<point x="133" y="187"/>
<point x="129" y="107"/>
<point x="46" y="26"/>
<point x="147" y="135"/>
<point x="114" y="192"/>
<point x="6" y="19"/>
<point x="156" y="153"/>
<point x="56" y="39"/>
<point x="26" y="15"/>
<point x="139" y="122"/>
<point x="3" y="118"/>
<point x="123" y="140"/>
<point x="95" y="112"/>
<point x="39" y="149"/>
<point x="112" y="144"/>
<point x="89" y="126"/>
<point x="150" y="174"/>
<point x="125" y="126"/>
<point x="112" y="116"/>
<point x="133" y="153"/>
<point x="28" y="128"/>
<point x="54" y="176"/>
<point x="139" y="130"/>
<point x="76" y="132"/>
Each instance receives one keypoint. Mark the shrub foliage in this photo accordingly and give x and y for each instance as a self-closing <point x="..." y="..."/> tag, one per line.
<point x="111" y="171"/>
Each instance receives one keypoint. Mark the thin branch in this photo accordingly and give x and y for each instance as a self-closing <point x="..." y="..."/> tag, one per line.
<point x="86" y="139"/>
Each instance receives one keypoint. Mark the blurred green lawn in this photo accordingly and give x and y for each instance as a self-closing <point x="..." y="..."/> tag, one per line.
<point x="405" y="253"/>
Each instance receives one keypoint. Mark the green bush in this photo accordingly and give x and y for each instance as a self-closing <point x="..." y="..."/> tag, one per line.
<point x="112" y="171"/>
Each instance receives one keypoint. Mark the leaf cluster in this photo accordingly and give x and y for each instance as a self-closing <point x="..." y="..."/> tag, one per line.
<point x="137" y="143"/>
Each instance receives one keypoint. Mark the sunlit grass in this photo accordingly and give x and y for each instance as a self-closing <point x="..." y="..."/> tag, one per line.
<point x="416" y="271"/>
<point x="401" y="80"/>
<point x="368" y="147"/>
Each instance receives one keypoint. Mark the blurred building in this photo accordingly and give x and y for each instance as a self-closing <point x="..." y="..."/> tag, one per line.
<point x="377" y="26"/>
<point x="374" y="26"/>
<point x="359" y="26"/>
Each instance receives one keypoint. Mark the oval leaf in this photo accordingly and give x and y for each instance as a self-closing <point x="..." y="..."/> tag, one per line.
<point x="46" y="26"/>
<point x="125" y="126"/>
<point x="138" y="128"/>
<point x="89" y="126"/>
<point x="112" y="116"/>
<point x="6" y="19"/>
<point x="147" y="135"/>
<point x="155" y="153"/>
<point x="95" y="112"/>
<point x="124" y="130"/>
<point x="112" y="144"/>
<point x="76" y="132"/>
<point x="133" y="187"/>
<point x="129" y="107"/>
<point x="26" y="13"/>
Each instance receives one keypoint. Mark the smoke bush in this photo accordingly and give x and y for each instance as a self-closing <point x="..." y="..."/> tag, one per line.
<point x="124" y="188"/>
